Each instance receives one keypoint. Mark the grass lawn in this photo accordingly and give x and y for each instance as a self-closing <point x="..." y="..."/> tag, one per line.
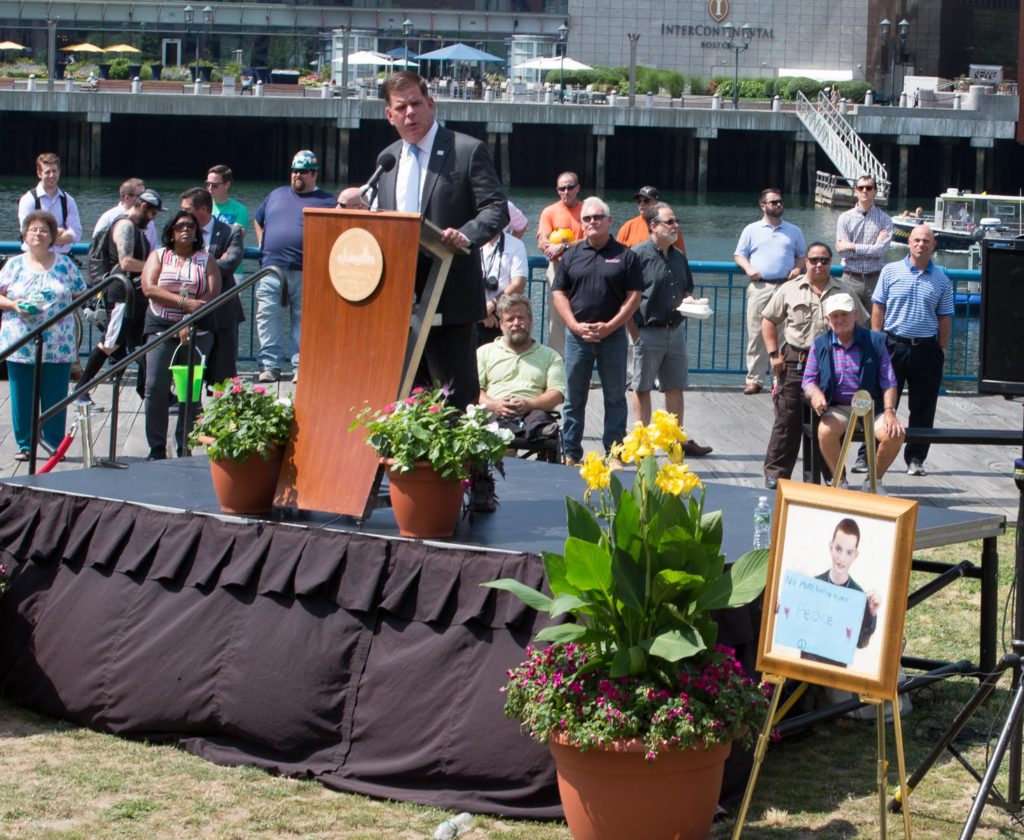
<point x="61" y="781"/>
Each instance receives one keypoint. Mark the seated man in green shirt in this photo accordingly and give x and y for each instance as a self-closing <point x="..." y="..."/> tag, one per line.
<point x="521" y="380"/>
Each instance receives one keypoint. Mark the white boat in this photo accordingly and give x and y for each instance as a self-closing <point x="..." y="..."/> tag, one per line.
<point x="963" y="218"/>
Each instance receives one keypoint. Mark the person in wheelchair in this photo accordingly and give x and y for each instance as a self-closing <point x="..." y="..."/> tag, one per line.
<point x="521" y="380"/>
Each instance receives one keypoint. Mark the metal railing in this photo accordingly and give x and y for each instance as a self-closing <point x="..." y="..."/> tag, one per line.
<point x="844" y="147"/>
<point x="37" y="335"/>
<point x="718" y="345"/>
<point x="115" y="371"/>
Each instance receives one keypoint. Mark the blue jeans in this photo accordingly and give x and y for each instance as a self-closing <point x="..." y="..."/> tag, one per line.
<point x="53" y="387"/>
<point x="580" y="355"/>
<point x="270" y="319"/>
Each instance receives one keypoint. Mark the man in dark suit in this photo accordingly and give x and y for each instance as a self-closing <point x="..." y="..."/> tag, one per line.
<point x="226" y="245"/>
<point x="449" y="178"/>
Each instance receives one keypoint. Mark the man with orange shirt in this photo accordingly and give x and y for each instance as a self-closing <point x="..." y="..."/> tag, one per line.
<point x="564" y="214"/>
<point x="636" y="230"/>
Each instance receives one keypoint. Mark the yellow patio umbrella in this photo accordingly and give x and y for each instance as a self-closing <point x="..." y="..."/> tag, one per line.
<point x="85" y="47"/>
<point x="128" y="48"/>
<point x="10" y="45"/>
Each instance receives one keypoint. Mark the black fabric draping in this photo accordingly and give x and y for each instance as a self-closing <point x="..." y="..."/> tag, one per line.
<point x="372" y="665"/>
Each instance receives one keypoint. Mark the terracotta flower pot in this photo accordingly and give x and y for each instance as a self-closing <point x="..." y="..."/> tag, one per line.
<point x="425" y="504"/>
<point x="246" y="486"/>
<point x="616" y="792"/>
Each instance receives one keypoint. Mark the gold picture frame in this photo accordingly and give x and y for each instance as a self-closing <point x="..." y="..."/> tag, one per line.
<point x="836" y="594"/>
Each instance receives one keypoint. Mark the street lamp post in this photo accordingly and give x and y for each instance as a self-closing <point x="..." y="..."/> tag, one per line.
<point x="563" y="37"/>
<point x="192" y="27"/>
<point x="746" y="34"/>
<point x="902" y="28"/>
<point x="634" y="39"/>
<point x="406" y="32"/>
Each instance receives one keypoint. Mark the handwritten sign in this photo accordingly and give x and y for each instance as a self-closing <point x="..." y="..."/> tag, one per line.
<point x="818" y="617"/>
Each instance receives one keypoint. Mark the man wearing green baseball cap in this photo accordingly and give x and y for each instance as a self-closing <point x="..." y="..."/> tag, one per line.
<point x="278" y="224"/>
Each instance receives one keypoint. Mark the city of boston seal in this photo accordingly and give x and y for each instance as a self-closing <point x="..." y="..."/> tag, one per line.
<point x="356" y="264"/>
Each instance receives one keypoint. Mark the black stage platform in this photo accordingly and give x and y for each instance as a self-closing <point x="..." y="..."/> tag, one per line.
<point x="318" y="648"/>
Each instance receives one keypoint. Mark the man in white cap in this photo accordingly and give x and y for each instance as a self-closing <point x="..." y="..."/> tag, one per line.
<point x="846" y="359"/>
<point x="278" y="223"/>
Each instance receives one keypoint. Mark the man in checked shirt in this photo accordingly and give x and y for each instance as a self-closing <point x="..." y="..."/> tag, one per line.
<point x="863" y="234"/>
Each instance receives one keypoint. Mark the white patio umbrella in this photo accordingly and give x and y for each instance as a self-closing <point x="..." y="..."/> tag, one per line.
<point x="11" y="45"/>
<point x="366" y="57"/>
<point x="553" y="63"/>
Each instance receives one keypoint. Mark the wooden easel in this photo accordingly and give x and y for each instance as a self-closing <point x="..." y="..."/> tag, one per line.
<point x="863" y="411"/>
<point x="356" y="352"/>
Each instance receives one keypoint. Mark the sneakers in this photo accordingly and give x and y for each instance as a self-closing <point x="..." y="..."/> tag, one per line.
<point x="862" y="464"/>
<point x="570" y="462"/>
<point x="879" y="488"/>
<point x="482" y="497"/>
<point x="916" y="467"/>
<point x="295" y="378"/>
<point x="269" y="376"/>
<point x="695" y="450"/>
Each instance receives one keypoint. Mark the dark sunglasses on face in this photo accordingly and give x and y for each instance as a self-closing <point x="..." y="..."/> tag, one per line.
<point x="774" y="202"/>
<point x="184" y="226"/>
<point x="819" y="260"/>
<point x="865" y="187"/>
<point x="669" y="222"/>
<point x="567" y="187"/>
<point x="212" y="184"/>
<point x="597" y="217"/>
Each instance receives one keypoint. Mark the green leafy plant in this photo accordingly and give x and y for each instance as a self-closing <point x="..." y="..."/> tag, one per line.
<point x="242" y="420"/>
<point x="424" y="427"/>
<point x="641" y="572"/>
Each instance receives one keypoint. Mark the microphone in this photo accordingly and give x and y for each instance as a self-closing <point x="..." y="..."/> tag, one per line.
<point x="385" y="163"/>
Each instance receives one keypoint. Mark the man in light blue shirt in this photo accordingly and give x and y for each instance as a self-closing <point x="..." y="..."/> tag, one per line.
<point x="913" y="304"/>
<point x="770" y="252"/>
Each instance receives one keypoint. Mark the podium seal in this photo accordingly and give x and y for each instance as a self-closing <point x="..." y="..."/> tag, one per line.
<point x="356" y="265"/>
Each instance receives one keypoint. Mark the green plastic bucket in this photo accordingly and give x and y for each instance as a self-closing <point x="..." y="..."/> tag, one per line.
<point x="179" y="374"/>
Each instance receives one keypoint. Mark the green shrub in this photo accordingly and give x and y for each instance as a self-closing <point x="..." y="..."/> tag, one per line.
<point x="808" y="87"/>
<point x="698" y="87"/>
<point x="853" y="91"/>
<point x="752" y="88"/>
<point x="118" y="69"/>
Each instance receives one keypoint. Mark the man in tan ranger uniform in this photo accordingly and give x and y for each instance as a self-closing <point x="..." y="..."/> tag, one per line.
<point x="800" y="303"/>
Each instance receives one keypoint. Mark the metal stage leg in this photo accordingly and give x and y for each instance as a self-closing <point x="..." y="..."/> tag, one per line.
<point x="111" y="462"/>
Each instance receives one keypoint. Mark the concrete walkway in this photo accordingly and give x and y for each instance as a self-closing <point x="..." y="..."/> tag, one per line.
<point x="737" y="426"/>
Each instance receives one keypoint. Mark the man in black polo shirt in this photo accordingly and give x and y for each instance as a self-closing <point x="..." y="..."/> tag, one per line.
<point x="597" y="289"/>
<point x="657" y="328"/>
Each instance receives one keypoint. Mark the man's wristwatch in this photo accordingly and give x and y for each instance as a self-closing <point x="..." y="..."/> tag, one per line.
<point x="773" y="354"/>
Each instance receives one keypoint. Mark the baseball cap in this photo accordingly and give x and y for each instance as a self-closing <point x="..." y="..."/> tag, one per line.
<point x="305" y="161"/>
<point x="648" y="192"/>
<point x="838" y="303"/>
<point x="152" y="198"/>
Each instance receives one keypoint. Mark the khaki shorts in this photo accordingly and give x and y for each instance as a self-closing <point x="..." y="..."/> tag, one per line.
<point x="843" y="412"/>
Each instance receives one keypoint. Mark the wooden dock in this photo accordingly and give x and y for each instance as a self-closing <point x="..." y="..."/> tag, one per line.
<point x="978" y="478"/>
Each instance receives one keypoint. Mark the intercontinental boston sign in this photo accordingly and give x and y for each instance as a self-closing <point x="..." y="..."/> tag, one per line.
<point x="713" y="35"/>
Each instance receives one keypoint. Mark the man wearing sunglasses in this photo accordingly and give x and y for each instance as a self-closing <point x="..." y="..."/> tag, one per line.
<point x="657" y="327"/>
<point x="597" y="289"/>
<point x="229" y="210"/>
<point x="770" y="252"/>
<point x="636" y="230"/>
<point x="564" y="214"/>
<point x="130" y="190"/>
<point x="862" y="239"/>
<point x="799" y="305"/>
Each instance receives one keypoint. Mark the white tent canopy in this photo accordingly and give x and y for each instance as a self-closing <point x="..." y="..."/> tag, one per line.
<point x="367" y="57"/>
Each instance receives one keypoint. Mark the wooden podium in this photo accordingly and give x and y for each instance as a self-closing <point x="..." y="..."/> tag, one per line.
<point x="362" y="338"/>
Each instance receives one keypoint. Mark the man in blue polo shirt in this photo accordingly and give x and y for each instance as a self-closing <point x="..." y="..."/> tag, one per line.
<point x="770" y="251"/>
<point x="846" y="359"/>
<point x="913" y="304"/>
<point x="597" y="288"/>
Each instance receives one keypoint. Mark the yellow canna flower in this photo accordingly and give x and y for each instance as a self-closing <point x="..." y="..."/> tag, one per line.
<point x="676" y="479"/>
<point x="595" y="472"/>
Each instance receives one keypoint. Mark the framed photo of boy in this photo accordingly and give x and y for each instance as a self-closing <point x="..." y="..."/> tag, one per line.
<point x="836" y="595"/>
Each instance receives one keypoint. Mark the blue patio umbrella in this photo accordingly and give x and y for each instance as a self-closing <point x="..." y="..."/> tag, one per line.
<point x="402" y="52"/>
<point x="458" y="52"/>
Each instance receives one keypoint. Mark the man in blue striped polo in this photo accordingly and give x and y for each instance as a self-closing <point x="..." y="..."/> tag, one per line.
<point x="913" y="304"/>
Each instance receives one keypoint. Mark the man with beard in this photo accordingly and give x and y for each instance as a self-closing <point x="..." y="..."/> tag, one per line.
<point x="521" y="380"/>
<point x="769" y="251"/>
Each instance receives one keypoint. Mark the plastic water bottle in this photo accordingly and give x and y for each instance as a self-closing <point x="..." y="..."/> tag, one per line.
<point x="762" y="523"/>
<point x="454" y="827"/>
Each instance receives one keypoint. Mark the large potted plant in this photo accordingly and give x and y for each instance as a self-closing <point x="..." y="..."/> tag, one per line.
<point x="244" y="429"/>
<point x="431" y="449"/>
<point x="635" y="699"/>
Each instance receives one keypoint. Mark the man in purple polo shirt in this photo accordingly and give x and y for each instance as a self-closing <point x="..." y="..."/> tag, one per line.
<point x="846" y="359"/>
